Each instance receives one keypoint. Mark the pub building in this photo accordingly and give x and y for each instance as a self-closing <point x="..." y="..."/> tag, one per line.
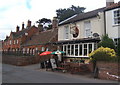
<point x="78" y="35"/>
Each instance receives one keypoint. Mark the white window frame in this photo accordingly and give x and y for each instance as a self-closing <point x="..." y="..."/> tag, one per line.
<point x="73" y="55"/>
<point x="116" y="16"/>
<point x="14" y="41"/>
<point x="67" y="31"/>
<point x="87" y="29"/>
<point x="36" y="48"/>
<point x="27" y="50"/>
<point x="43" y="49"/>
<point x="68" y="49"/>
<point x="76" y="49"/>
<point x="17" y="41"/>
<point x="23" y="50"/>
<point x="33" y="51"/>
<point x="10" y="42"/>
<point x="47" y="49"/>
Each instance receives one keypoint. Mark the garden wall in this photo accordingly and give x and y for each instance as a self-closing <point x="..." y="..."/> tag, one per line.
<point x="20" y="60"/>
<point x="23" y="60"/>
<point x="109" y="70"/>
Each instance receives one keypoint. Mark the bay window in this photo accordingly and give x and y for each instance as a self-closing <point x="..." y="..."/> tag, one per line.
<point x="82" y="49"/>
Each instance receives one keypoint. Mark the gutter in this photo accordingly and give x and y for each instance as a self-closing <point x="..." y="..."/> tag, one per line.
<point x="67" y="19"/>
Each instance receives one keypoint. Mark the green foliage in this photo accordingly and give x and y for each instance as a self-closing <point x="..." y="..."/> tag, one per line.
<point x="106" y="42"/>
<point x="65" y="13"/>
<point x="43" y="21"/>
<point x="103" y="54"/>
<point x="118" y="48"/>
<point x="46" y="23"/>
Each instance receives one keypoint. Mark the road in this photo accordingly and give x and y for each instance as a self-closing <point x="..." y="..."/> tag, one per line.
<point x="32" y="74"/>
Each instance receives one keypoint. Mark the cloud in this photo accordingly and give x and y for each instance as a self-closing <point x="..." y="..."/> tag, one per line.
<point x="14" y="12"/>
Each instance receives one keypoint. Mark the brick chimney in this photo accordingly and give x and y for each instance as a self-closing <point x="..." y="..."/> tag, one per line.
<point x="54" y="22"/>
<point x="109" y="3"/>
<point x="40" y="27"/>
<point x="29" y="23"/>
<point x="7" y="37"/>
<point x="17" y="28"/>
<point x="23" y="26"/>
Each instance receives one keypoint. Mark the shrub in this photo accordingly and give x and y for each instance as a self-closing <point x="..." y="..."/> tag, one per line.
<point x="118" y="48"/>
<point x="103" y="54"/>
<point x="106" y="42"/>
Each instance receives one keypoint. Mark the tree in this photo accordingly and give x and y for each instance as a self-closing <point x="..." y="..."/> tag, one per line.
<point x="45" y="22"/>
<point x="65" y="13"/>
<point x="106" y="42"/>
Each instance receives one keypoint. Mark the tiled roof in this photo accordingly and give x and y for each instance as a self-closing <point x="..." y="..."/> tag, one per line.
<point x="20" y="33"/>
<point x="115" y="5"/>
<point x="42" y="38"/>
<point x="83" y="16"/>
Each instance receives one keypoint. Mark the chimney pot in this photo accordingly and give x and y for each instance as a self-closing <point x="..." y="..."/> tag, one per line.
<point x="40" y="27"/>
<point x="29" y="23"/>
<point x="54" y="22"/>
<point x="17" y="28"/>
<point x="22" y="25"/>
<point x="7" y="37"/>
<point x="109" y="3"/>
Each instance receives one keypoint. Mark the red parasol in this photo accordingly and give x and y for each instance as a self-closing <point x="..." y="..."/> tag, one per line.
<point x="45" y="53"/>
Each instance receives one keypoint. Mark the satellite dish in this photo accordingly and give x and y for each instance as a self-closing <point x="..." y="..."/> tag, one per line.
<point x="96" y="35"/>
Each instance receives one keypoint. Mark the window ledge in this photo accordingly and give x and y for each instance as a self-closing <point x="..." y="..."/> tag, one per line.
<point x="116" y="25"/>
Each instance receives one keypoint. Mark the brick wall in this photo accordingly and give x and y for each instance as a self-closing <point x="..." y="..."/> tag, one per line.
<point x="20" y="60"/>
<point x="90" y="66"/>
<point x="109" y="70"/>
<point x="30" y="32"/>
<point x="25" y="60"/>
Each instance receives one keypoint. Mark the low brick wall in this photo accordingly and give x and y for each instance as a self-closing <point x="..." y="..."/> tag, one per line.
<point x="20" y="60"/>
<point x="109" y="70"/>
<point x="24" y="60"/>
<point x="90" y="67"/>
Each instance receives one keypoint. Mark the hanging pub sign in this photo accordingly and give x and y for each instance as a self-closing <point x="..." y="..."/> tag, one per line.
<point x="74" y="31"/>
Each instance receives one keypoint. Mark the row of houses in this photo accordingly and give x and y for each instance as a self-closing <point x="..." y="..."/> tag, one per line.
<point x="77" y="36"/>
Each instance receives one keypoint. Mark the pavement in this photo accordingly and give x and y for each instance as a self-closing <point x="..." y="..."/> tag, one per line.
<point x="33" y="74"/>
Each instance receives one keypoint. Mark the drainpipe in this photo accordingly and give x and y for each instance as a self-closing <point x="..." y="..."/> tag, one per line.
<point x="104" y="24"/>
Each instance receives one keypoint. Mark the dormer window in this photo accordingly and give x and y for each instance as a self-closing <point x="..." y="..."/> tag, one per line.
<point x="17" y="41"/>
<point x="26" y="34"/>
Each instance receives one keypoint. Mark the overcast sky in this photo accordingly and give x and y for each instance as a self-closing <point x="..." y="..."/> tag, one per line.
<point x="14" y="12"/>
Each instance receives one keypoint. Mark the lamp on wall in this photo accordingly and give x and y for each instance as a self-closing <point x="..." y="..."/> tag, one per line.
<point x="99" y="14"/>
<point x="96" y="35"/>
